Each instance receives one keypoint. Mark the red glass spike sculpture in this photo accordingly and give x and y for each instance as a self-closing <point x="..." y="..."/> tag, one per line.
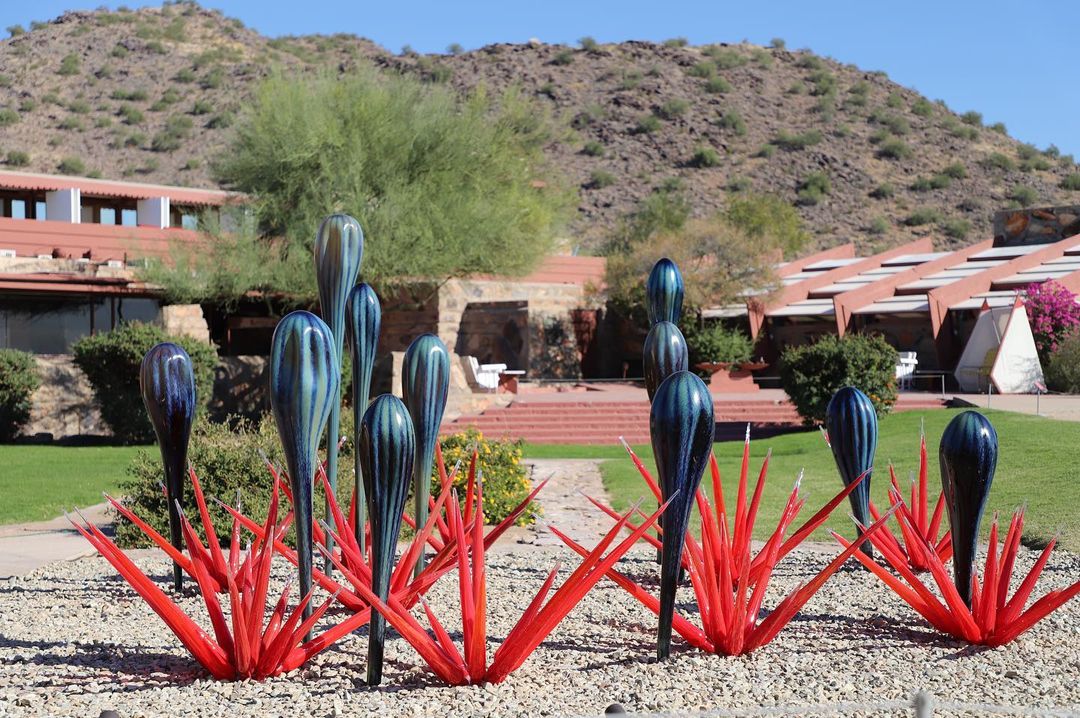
<point x="245" y="643"/>
<point x="470" y="665"/>
<point x="994" y="619"/>
<point x="408" y="589"/>
<point x="924" y="524"/>
<point x="729" y="581"/>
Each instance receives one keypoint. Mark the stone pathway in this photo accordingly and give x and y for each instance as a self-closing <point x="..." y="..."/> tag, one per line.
<point x="25" y="547"/>
<point x="564" y="505"/>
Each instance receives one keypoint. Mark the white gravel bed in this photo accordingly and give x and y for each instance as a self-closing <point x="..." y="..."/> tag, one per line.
<point x="75" y="640"/>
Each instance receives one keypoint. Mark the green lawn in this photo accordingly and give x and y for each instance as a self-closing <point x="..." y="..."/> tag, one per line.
<point x="1037" y="466"/>
<point x="40" y="482"/>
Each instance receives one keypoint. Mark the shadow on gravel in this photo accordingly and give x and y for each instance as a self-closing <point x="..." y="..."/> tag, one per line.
<point x="126" y="670"/>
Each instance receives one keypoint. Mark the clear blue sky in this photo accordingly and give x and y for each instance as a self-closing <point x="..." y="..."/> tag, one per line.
<point x="1014" y="62"/>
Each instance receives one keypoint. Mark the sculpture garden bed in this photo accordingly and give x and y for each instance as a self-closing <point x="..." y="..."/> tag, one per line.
<point x="75" y="640"/>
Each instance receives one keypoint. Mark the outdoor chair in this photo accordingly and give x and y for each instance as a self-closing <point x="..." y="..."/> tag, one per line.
<point x="905" y="369"/>
<point x="485" y="376"/>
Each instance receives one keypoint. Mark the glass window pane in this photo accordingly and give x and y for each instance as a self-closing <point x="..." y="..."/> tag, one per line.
<point x="43" y="326"/>
<point x="18" y="208"/>
<point x="137" y="310"/>
<point x="128" y="218"/>
<point x="39" y="210"/>
<point x="108" y="215"/>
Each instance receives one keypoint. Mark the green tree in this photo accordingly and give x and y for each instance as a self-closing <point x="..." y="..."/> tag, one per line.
<point x="442" y="185"/>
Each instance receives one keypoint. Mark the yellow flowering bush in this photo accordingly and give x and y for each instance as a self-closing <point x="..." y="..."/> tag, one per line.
<point x="500" y="462"/>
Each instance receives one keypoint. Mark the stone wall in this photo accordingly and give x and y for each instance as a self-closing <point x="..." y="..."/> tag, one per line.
<point x="64" y="404"/>
<point x="1042" y="225"/>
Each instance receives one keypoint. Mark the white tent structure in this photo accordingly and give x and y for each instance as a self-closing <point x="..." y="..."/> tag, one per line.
<point x="1000" y="352"/>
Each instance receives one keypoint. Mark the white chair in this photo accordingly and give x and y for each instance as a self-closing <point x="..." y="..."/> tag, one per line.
<point x="905" y="369"/>
<point x="485" y="376"/>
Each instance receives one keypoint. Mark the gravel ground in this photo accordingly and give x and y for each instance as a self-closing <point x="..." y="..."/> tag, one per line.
<point x="74" y="640"/>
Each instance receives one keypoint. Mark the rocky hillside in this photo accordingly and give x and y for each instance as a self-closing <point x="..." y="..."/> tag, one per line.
<point x="151" y="95"/>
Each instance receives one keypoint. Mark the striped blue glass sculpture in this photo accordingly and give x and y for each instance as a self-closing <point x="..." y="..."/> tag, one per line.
<point x="305" y="380"/>
<point x="362" y="321"/>
<point x="664" y="292"/>
<point x="665" y="353"/>
<point x="167" y="383"/>
<point x="852" y="424"/>
<point x="968" y="457"/>
<point x="682" y="427"/>
<point x="425" y="380"/>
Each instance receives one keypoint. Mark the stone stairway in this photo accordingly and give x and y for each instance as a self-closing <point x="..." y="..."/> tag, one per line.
<point x="583" y="419"/>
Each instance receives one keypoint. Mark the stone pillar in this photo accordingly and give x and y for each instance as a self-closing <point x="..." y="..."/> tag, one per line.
<point x="185" y="320"/>
<point x="64" y="205"/>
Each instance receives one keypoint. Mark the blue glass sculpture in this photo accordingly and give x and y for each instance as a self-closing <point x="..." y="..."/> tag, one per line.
<point x="168" y="392"/>
<point x="425" y="380"/>
<point x="339" y="249"/>
<point x="852" y="424"/>
<point x="664" y="292"/>
<point x="682" y="428"/>
<point x="305" y="379"/>
<point x="968" y="457"/>
<point x="387" y="447"/>
<point x="665" y="353"/>
<point x="363" y="318"/>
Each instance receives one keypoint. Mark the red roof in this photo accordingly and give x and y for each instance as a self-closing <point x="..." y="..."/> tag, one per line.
<point x="565" y="269"/>
<point x="113" y="188"/>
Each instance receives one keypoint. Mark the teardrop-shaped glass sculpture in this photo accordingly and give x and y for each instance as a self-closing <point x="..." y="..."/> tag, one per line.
<point x="425" y="380"/>
<point x="387" y="447"/>
<point x="363" y="317"/>
<point x="305" y="379"/>
<point x="167" y="383"/>
<point x="851" y="421"/>
<point x="968" y="457"/>
<point x="339" y="249"/>
<point x="682" y="427"/>
<point x="664" y="354"/>
<point x="664" y="292"/>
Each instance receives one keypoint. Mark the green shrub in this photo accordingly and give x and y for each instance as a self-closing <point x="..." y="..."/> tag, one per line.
<point x="18" y="381"/>
<point x="71" y="166"/>
<point x="8" y="117"/>
<point x="79" y="107"/>
<point x="725" y="58"/>
<point x="999" y="127"/>
<point x="824" y="83"/>
<point x="600" y="179"/>
<point x="563" y="57"/>
<point x="732" y="120"/>
<point x="71" y="123"/>
<point x="717" y="85"/>
<point x="787" y="141"/>
<point x="172" y="136"/>
<point x="767" y="150"/>
<point x="229" y="467"/>
<point x="998" y="161"/>
<point x="647" y="125"/>
<point x="186" y="75"/>
<point x="15" y="30"/>
<point x="672" y="109"/>
<point x="894" y="149"/>
<point x="956" y="228"/>
<point x="500" y="461"/>
<point x="202" y="107"/>
<point x="714" y="342"/>
<point x="18" y="158"/>
<point x="704" y="68"/>
<point x="220" y="121"/>
<point x="1063" y="369"/>
<point x="922" y="107"/>
<point x="454" y="48"/>
<point x="630" y="79"/>
<point x="132" y="115"/>
<point x="883" y="191"/>
<point x="69" y="65"/>
<point x="812" y="373"/>
<point x="130" y="95"/>
<point x="973" y="118"/>
<point x="1071" y="182"/>
<point x="1024" y="196"/>
<point x="213" y="79"/>
<point x="955" y="171"/>
<point x="739" y="184"/>
<point x="895" y="100"/>
<point x="676" y="42"/>
<point x="810" y="61"/>
<point x="923" y="215"/>
<point x="705" y="157"/>
<point x="814" y="188"/>
<point x="589" y="44"/>
<point x="593" y="149"/>
<point x="111" y="362"/>
<point x="1035" y="163"/>
<point x="879" y="225"/>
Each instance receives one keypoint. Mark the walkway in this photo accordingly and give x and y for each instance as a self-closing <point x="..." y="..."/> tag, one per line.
<point x="25" y="547"/>
<point x="564" y="503"/>
<point x="1054" y="406"/>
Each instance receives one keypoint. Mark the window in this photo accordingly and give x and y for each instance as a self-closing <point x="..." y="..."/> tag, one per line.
<point x="39" y="210"/>
<point x="129" y="217"/>
<point x="18" y="209"/>
<point x="46" y="325"/>
<point x="108" y="215"/>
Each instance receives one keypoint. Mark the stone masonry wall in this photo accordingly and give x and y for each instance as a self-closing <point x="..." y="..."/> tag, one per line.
<point x="64" y="404"/>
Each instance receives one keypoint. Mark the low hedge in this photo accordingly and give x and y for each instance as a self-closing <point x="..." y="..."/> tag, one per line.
<point x="111" y="362"/>
<point x="812" y="373"/>
<point x="19" y="379"/>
